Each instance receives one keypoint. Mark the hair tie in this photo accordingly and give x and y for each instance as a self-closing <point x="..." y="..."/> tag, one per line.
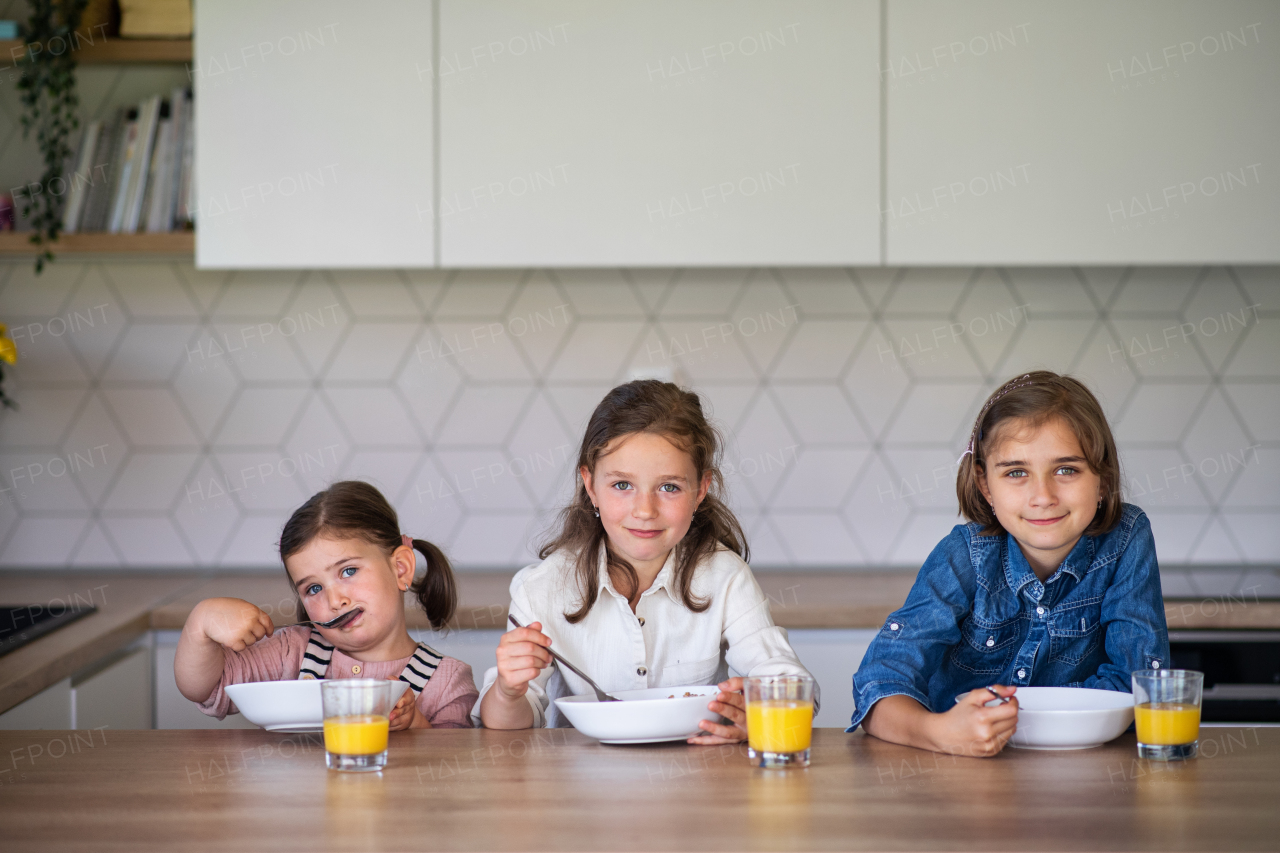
<point x="406" y="540"/>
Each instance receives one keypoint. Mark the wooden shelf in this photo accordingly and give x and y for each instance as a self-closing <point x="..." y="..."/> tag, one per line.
<point x="114" y="50"/>
<point x="174" y="243"/>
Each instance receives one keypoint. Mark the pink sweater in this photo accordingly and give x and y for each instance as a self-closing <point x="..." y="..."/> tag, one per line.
<point x="446" y="700"/>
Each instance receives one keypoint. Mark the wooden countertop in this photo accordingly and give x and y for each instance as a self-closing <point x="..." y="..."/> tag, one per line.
<point x="247" y="790"/>
<point x="124" y="600"/>
<point x="132" y="602"/>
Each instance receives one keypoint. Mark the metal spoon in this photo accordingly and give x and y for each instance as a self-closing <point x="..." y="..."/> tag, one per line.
<point x="333" y="623"/>
<point x="601" y="696"/>
<point x="1003" y="699"/>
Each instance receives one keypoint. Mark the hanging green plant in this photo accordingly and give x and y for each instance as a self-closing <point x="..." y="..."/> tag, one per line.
<point x="50" y="104"/>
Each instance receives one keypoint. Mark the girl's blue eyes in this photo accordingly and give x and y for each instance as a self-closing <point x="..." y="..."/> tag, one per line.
<point x="345" y="572"/>
<point x="623" y="485"/>
<point x="1065" y="470"/>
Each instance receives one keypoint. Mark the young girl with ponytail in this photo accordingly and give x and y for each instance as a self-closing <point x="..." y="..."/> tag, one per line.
<point x="350" y="566"/>
<point x="646" y="582"/>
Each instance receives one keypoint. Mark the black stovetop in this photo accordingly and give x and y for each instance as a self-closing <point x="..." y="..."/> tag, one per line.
<point x="22" y="623"/>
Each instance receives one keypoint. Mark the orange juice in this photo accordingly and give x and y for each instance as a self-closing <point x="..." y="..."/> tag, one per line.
<point x="1167" y="723"/>
<point x="360" y="735"/>
<point x="779" y="725"/>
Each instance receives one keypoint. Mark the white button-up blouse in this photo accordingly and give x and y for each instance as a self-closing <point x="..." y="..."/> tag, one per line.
<point x="661" y="644"/>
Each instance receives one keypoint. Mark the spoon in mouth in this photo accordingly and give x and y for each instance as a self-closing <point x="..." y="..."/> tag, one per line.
<point x="334" y="623"/>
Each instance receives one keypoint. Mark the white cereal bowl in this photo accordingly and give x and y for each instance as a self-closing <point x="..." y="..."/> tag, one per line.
<point x="280" y="706"/>
<point x="643" y="716"/>
<point x="1070" y="717"/>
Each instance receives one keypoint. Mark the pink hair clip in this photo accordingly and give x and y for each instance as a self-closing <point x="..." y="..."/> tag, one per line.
<point x="406" y="540"/>
<point x="974" y="435"/>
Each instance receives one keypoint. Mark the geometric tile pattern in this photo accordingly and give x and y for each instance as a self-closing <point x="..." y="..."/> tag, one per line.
<point x="174" y="417"/>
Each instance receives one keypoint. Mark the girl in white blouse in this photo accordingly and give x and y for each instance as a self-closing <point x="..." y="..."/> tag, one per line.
<point x="646" y="582"/>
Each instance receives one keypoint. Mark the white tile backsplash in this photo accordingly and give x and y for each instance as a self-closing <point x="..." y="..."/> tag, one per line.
<point x="845" y="396"/>
<point x="151" y="416"/>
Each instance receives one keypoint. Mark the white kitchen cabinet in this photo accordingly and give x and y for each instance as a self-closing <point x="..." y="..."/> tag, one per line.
<point x="115" y="694"/>
<point x="1084" y="132"/>
<point x="313" y="134"/>
<point x="173" y="710"/>
<point x="832" y="656"/>
<point x="112" y="693"/>
<point x="48" y="709"/>
<point x="731" y="132"/>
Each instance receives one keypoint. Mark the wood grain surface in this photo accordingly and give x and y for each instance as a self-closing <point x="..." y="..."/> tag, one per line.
<point x="249" y="790"/>
<point x="124" y="602"/>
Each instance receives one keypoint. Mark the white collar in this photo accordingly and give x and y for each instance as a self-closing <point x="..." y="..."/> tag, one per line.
<point x="662" y="581"/>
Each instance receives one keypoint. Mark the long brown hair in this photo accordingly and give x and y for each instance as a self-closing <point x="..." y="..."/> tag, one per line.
<point x="1033" y="399"/>
<point x="351" y="508"/>
<point x="659" y="408"/>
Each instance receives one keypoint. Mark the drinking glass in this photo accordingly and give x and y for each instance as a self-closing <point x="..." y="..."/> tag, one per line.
<point x="1166" y="711"/>
<point x="357" y="719"/>
<point x="779" y="719"/>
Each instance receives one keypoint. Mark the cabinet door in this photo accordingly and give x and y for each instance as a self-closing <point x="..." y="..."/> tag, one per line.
<point x="665" y="132"/>
<point x="48" y="709"/>
<point x="116" y="694"/>
<point x="1083" y="132"/>
<point x="313" y="134"/>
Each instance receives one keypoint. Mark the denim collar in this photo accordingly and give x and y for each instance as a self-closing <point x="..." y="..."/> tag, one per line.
<point x="1018" y="572"/>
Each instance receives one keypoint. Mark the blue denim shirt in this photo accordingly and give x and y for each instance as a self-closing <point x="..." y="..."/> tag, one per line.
<point x="978" y="615"/>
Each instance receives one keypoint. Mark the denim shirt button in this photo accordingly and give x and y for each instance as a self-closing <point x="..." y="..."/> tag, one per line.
<point x="1022" y="673"/>
<point x="893" y="626"/>
<point x="1039" y="611"/>
<point x="990" y="642"/>
<point x="1155" y="664"/>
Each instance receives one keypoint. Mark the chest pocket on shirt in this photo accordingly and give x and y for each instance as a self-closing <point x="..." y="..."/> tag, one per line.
<point x="691" y="672"/>
<point x="984" y="650"/>
<point x="1073" y="632"/>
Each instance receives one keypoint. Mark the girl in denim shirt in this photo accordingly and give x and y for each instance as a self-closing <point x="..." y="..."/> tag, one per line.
<point x="1052" y="582"/>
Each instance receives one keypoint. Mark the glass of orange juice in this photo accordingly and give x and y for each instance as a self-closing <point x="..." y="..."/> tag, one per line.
<point x="779" y="719"/>
<point x="357" y="719"/>
<point x="1166" y="712"/>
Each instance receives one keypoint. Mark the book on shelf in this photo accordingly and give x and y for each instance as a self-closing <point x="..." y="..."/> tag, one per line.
<point x="148" y="119"/>
<point x="93" y="217"/>
<point x="184" y="214"/>
<point x="165" y="210"/>
<point x="126" y="154"/>
<point x="155" y="18"/>
<point x="133" y="172"/>
<point x="81" y="180"/>
<point x="158" y="175"/>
